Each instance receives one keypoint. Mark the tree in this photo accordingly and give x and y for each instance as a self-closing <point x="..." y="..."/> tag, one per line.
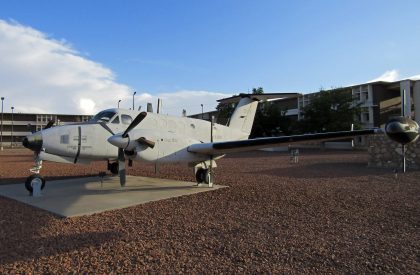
<point x="225" y="111"/>
<point x="257" y="91"/>
<point x="328" y="111"/>
<point x="270" y="121"/>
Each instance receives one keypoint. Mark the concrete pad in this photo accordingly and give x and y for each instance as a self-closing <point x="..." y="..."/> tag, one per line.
<point x="85" y="196"/>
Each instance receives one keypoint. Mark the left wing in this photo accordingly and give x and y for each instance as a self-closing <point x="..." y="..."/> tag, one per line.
<point x="218" y="148"/>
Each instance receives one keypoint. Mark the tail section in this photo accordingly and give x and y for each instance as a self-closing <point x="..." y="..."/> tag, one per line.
<point x="244" y="114"/>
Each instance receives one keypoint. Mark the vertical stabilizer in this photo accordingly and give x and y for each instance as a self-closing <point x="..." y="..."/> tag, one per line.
<point x="244" y="114"/>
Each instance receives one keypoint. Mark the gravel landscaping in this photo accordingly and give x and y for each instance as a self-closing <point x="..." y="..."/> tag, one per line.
<point x="328" y="213"/>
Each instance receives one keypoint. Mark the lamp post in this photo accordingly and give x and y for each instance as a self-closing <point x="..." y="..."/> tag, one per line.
<point x="119" y="103"/>
<point x="202" y="117"/>
<point x="133" y="99"/>
<point x="11" y="135"/>
<point x="1" y="134"/>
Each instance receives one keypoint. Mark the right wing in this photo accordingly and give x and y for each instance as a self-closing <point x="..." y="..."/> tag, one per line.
<point x="218" y="148"/>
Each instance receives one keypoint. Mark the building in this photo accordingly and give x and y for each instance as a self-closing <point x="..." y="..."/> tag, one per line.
<point x="284" y="101"/>
<point x="18" y="125"/>
<point x="378" y="100"/>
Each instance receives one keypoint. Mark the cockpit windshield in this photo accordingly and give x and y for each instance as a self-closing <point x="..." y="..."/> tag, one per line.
<point x="104" y="116"/>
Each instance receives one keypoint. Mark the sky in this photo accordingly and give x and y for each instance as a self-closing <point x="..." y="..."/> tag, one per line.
<point x="74" y="57"/>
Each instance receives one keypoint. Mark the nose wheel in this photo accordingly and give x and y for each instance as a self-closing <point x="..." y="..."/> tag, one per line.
<point x="32" y="180"/>
<point x="35" y="179"/>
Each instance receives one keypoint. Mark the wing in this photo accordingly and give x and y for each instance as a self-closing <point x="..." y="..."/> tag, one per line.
<point x="217" y="148"/>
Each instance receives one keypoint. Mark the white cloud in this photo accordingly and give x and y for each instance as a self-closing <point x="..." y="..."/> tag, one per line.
<point x="42" y="75"/>
<point x="174" y="103"/>
<point x="392" y="76"/>
<point x="87" y="105"/>
<point x="388" y="76"/>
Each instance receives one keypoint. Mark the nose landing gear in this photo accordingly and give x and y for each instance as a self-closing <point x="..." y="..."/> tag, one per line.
<point x="35" y="179"/>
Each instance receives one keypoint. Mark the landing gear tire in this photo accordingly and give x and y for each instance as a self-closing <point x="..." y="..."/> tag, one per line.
<point x="30" y="181"/>
<point x="113" y="167"/>
<point x="201" y="175"/>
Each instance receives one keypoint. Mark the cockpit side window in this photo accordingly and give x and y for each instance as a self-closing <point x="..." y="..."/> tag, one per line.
<point x="126" y="119"/>
<point x="104" y="116"/>
<point x="116" y="120"/>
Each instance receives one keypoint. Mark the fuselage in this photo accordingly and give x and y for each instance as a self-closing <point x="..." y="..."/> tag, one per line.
<point x="83" y="142"/>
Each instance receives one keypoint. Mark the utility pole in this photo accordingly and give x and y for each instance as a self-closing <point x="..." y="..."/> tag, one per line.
<point x="202" y="115"/>
<point x="11" y="142"/>
<point x="1" y="135"/>
<point x="133" y="99"/>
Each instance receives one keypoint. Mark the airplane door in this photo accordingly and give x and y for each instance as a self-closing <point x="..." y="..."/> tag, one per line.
<point x="87" y="135"/>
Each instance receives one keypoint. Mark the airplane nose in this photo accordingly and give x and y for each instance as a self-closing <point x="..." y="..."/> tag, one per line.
<point x="33" y="142"/>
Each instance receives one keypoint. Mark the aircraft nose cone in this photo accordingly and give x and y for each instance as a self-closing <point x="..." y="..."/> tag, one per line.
<point x="33" y="142"/>
<point x="119" y="141"/>
<point x="402" y="130"/>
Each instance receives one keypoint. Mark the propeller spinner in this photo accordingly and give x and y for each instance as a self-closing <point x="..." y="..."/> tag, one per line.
<point x="402" y="130"/>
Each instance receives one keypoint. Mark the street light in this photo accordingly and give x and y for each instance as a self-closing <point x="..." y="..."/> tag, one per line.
<point x="133" y="99"/>
<point x="11" y="135"/>
<point x="119" y="103"/>
<point x="1" y="134"/>
<point x="202" y="111"/>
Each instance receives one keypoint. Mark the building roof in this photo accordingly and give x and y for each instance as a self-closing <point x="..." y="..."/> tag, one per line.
<point x="383" y="82"/>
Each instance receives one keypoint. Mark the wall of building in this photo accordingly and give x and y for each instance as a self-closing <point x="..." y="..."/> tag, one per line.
<point x="385" y="153"/>
<point x="416" y="100"/>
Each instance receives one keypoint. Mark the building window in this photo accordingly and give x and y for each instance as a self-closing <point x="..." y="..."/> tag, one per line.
<point x="364" y="117"/>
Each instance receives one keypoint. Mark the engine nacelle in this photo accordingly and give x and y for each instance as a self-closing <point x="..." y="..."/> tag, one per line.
<point x="402" y="130"/>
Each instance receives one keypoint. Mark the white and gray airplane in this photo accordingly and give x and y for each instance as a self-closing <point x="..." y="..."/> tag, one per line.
<point x="116" y="134"/>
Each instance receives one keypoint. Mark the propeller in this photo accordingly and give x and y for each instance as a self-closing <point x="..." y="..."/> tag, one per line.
<point x="121" y="166"/>
<point x="146" y="142"/>
<point x="30" y="129"/>
<point x="122" y="141"/>
<point x="134" y="123"/>
<point x="49" y="124"/>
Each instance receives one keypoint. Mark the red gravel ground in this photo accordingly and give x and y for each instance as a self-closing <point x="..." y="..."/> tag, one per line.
<point x="326" y="214"/>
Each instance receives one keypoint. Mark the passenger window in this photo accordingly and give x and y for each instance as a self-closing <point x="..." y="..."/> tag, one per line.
<point x="64" y="139"/>
<point x="116" y="120"/>
<point x="126" y="119"/>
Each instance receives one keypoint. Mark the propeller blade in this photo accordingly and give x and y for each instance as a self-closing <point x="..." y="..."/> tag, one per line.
<point x="134" y="123"/>
<point x="103" y="124"/>
<point x="30" y="129"/>
<point x="146" y="142"/>
<point x="49" y="124"/>
<point x="121" y="166"/>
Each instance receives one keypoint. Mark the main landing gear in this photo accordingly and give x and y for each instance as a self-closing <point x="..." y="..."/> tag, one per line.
<point x="204" y="174"/>
<point x="35" y="180"/>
